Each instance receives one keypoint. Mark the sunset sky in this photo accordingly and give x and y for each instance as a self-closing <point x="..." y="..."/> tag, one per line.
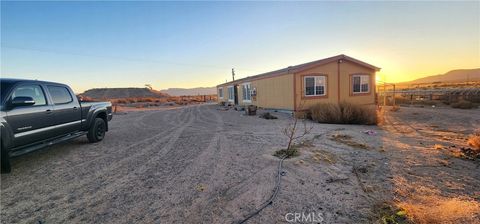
<point x="193" y="44"/>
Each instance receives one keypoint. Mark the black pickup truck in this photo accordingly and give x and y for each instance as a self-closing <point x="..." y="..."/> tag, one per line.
<point x="35" y="114"/>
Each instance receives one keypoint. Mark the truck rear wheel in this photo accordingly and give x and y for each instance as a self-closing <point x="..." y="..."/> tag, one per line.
<point x="5" y="160"/>
<point x="96" y="132"/>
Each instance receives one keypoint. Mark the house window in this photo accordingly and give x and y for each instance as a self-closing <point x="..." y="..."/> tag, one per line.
<point x="231" y="93"/>
<point x="361" y="83"/>
<point x="246" y="91"/>
<point x="220" y="93"/>
<point x="315" y="85"/>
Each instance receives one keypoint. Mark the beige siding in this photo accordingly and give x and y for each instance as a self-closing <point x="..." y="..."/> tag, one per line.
<point x="330" y="70"/>
<point x="346" y="70"/>
<point x="275" y="92"/>
<point x="305" y="102"/>
<point x="225" y="93"/>
<point x="285" y="91"/>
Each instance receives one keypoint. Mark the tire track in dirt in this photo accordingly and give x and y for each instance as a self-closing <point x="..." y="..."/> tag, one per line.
<point x="122" y="163"/>
<point x="402" y="127"/>
<point x="118" y="156"/>
<point x="171" y="116"/>
<point x="131" y="180"/>
<point x="119" y="153"/>
<point x="224" y="190"/>
<point x="204" y="165"/>
<point x="181" y="168"/>
<point x="148" y="181"/>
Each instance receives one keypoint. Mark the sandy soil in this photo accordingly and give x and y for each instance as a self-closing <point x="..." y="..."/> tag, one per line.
<point x="199" y="164"/>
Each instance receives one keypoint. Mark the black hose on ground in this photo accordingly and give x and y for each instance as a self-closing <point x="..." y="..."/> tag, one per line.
<point x="272" y="197"/>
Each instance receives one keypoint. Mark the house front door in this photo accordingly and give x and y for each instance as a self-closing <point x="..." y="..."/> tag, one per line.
<point x="235" y="94"/>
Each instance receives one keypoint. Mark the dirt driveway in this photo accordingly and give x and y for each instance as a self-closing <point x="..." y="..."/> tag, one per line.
<point x="199" y="164"/>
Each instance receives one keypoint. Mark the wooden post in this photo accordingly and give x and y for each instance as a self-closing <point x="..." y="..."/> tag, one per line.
<point x="384" y="95"/>
<point x="394" y="95"/>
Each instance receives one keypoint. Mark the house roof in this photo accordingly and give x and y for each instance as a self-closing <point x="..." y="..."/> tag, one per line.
<point x="302" y="67"/>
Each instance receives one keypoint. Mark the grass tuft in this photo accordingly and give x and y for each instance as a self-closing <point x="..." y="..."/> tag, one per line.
<point x="438" y="209"/>
<point x="293" y="152"/>
<point x="474" y="141"/>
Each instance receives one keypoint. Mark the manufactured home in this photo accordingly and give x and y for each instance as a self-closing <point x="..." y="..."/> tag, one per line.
<point x="330" y="80"/>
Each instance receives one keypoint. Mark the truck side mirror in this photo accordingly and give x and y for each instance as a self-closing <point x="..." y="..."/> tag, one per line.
<point x="23" y="101"/>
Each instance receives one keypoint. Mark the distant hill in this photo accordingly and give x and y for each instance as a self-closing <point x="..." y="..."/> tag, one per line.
<point x="117" y="93"/>
<point x="190" y="92"/>
<point x="459" y="75"/>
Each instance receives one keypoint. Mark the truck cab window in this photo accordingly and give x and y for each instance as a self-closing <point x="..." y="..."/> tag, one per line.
<point x="60" y="94"/>
<point x="34" y="91"/>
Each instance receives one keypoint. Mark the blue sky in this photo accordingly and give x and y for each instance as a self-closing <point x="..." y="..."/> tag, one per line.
<point x="192" y="44"/>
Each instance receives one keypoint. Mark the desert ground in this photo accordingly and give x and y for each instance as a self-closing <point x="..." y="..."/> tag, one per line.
<point x="203" y="164"/>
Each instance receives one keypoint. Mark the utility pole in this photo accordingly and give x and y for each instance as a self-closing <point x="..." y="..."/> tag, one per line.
<point x="233" y="74"/>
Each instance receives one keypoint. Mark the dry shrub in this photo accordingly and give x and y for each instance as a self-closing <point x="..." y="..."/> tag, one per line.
<point x="438" y="146"/>
<point x="343" y="113"/>
<point x="326" y="113"/>
<point x="438" y="209"/>
<point x="463" y="104"/>
<point x="474" y="140"/>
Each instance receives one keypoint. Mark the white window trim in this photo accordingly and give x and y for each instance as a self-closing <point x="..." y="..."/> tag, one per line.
<point x="244" y="100"/>
<point x="233" y="94"/>
<point x="314" y="86"/>
<point x="220" y="89"/>
<point x="369" y="85"/>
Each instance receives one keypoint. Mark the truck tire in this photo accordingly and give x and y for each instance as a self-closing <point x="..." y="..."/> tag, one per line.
<point x="97" y="130"/>
<point x="5" y="160"/>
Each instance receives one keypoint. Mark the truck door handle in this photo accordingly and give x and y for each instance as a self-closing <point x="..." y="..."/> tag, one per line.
<point x="75" y="108"/>
<point x="48" y="111"/>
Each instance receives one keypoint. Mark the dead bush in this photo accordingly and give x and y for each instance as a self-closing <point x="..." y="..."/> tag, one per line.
<point x="474" y="140"/>
<point x="463" y="104"/>
<point x="326" y="113"/>
<point x="343" y="113"/>
<point x="438" y="209"/>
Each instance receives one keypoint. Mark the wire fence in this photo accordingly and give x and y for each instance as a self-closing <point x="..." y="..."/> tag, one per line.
<point x="424" y="95"/>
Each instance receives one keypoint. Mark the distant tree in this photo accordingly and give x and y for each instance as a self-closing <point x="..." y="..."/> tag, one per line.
<point x="149" y="86"/>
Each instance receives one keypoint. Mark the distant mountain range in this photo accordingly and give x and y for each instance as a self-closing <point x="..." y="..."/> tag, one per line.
<point x="190" y="92"/>
<point x="119" y="93"/>
<point x="459" y="75"/>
